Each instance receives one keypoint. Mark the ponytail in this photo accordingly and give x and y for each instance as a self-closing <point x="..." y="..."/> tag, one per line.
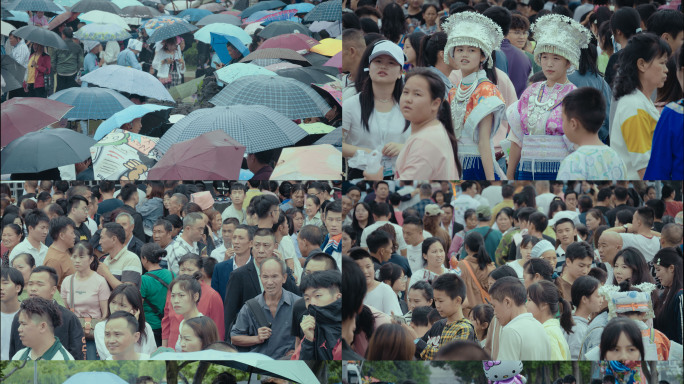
<point x="475" y="243"/>
<point x="444" y="116"/>
<point x="491" y="72"/>
<point x="565" y="315"/>
<point x="545" y="292"/>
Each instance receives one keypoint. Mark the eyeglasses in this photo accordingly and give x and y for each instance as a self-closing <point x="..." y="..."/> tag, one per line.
<point x="403" y="278"/>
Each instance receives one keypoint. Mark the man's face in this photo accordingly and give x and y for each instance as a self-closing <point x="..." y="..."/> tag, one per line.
<point x="385" y="252"/>
<point x="447" y="216"/>
<point x="347" y="205"/>
<point x="194" y="232"/>
<point x="565" y="232"/>
<point x="298" y="198"/>
<point x="263" y="248"/>
<point x="317" y="193"/>
<point x="315" y="266"/>
<point x="227" y="233"/>
<point x="107" y="242"/>
<point x="333" y="222"/>
<point x="161" y="237"/>
<point x="175" y="206"/>
<point x="412" y="234"/>
<point x="127" y="226"/>
<point x="40" y="231"/>
<point x="355" y="195"/>
<point x="68" y="236"/>
<point x="237" y="197"/>
<point x="79" y="212"/>
<point x="579" y="267"/>
<point x="118" y="337"/>
<point x="9" y="291"/>
<point x="502" y="310"/>
<point x="320" y="297"/>
<point x="241" y="242"/>
<point x="272" y="277"/>
<point x="40" y="285"/>
<point x="188" y="268"/>
<point x="608" y="247"/>
<point x="571" y="202"/>
<point x="30" y="331"/>
<point x="382" y="191"/>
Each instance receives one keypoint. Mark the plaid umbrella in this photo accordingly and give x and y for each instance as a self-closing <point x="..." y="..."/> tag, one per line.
<point x="306" y="75"/>
<point x="258" y="129"/>
<point x="159" y="21"/>
<point x="139" y="11"/>
<point x="49" y="148"/>
<point x="127" y="3"/>
<point x="219" y="18"/>
<point x="282" y="28"/>
<point x="204" y="34"/>
<point x="22" y="115"/>
<point x="262" y="6"/>
<point x="36" y="5"/>
<point x="293" y="41"/>
<point x="332" y="138"/>
<point x="102" y="33"/>
<point x="267" y="62"/>
<point x="103" y="17"/>
<point x="193" y="14"/>
<point x="170" y="30"/>
<point x="290" y="97"/>
<point x="276" y="53"/>
<point x="313" y="162"/>
<point x="330" y="10"/>
<point x="129" y="80"/>
<point x="235" y="71"/>
<point x="91" y="103"/>
<point x="84" y="6"/>
<point x="123" y="154"/>
<point x="269" y="16"/>
<point x="41" y="36"/>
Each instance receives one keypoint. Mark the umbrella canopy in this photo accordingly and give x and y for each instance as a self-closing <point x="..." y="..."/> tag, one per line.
<point x="262" y="6"/>
<point x="332" y="138"/>
<point x="306" y="75"/>
<point x="335" y="61"/>
<point x="218" y="43"/>
<point x="49" y="148"/>
<point x="6" y="28"/>
<point x="219" y="18"/>
<point x="18" y="16"/>
<point x="213" y="7"/>
<point x="290" y="97"/>
<point x="22" y="115"/>
<point x="313" y="162"/>
<point x="170" y="30"/>
<point x="91" y="103"/>
<point x="293" y="41"/>
<point x="328" y="47"/>
<point x="123" y="154"/>
<point x="102" y="33"/>
<point x="316" y="58"/>
<point x="95" y="377"/>
<point x="36" y="5"/>
<point x="317" y="128"/>
<point x="129" y="80"/>
<point x="282" y="28"/>
<point x="66" y="3"/>
<point x="300" y="7"/>
<point x="330" y="10"/>
<point x="241" y="5"/>
<point x="139" y="11"/>
<point x="193" y="14"/>
<point x="60" y="19"/>
<point x="331" y="91"/>
<point x="211" y="156"/>
<point x="271" y="16"/>
<point x="250" y="29"/>
<point x="104" y="17"/>
<point x="204" y="34"/>
<point x="127" y="3"/>
<point x="235" y="71"/>
<point x="41" y="36"/>
<point x="276" y="53"/>
<point x="125" y="116"/>
<point x="258" y="129"/>
<point x="178" y="5"/>
<point x="85" y="6"/>
<point x="12" y="73"/>
<point x="281" y="65"/>
<point x="159" y="21"/>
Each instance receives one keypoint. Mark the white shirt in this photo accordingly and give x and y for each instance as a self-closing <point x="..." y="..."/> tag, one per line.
<point x="91" y="224"/>
<point x="371" y="228"/>
<point x="287" y="248"/>
<point x="410" y="203"/>
<point x="143" y="346"/>
<point x="648" y="246"/>
<point x="414" y="254"/>
<point x="383" y="299"/>
<point x="383" y="127"/>
<point x="230" y="211"/>
<point x="461" y="204"/>
<point x="219" y="253"/>
<point x="524" y="338"/>
<point x="21" y="53"/>
<point x="5" y="333"/>
<point x="492" y="194"/>
<point x="26" y="247"/>
<point x="544" y="201"/>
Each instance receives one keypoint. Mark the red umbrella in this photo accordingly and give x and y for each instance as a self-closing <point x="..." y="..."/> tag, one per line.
<point x="62" y="18"/>
<point x="234" y="13"/>
<point x="293" y="41"/>
<point x="335" y="61"/>
<point x="211" y="156"/>
<point x="22" y="115"/>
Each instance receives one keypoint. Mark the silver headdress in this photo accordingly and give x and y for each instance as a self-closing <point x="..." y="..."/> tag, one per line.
<point x="629" y="301"/>
<point x="560" y="35"/>
<point x="475" y="30"/>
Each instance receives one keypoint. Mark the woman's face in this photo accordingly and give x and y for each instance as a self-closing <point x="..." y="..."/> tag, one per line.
<point x="551" y="257"/>
<point x="468" y="58"/>
<point x="10" y="238"/>
<point x="298" y="221"/>
<point x="189" y="341"/>
<point x="471" y="222"/>
<point x="298" y="199"/>
<point x="121" y="303"/>
<point x="416" y="103"/>
<point x="346" y="243"/>
<point x="526" y="251"/>
<point x="555" y="67"/>
<point x="518" y="37"/>
<point x="366" y="265"/>
<point x="665" y="275"/>
<point x="592" y="222"/>
<point x="439" y="198"/>
<point x="22" y="266"/>
<point x="651" y="194"/>
<point x="81" y="260"/>
<point x="624" y="350"/>
<point x="361" y="213"/>
<point x="529" y="279"/>
<point x="594" y="301"/>
<point x="534" y="309"/>
<point x="400" y="284"/>
<point x="409" y="52"/>
<point x="216" y="223"/>
<point x="653" y="74"/>
<point x="503" y="221"/>
<point x="384" y="69"/>
<point x="310" y="208"/>
<point x="416" y="298"/>
<point x="430" y="15"/>
<point x="435" y="255"/>
<point x="622" y="271"/>
<point x="182" y="301"/>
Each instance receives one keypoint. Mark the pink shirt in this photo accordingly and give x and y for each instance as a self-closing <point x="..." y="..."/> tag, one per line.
<point x="427" y="155"/>
<point x="87" y="295"/>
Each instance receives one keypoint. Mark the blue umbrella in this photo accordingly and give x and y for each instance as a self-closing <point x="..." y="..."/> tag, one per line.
<point x="326" y="11"/>
<point x="300" y="7"/>
<point x="170" y="30"/>
<point x="218" y="42"/>
<point x="125" y="116"/>
<point x="192" y="15"/>
<point x="91" y="103"/>
<point x="19" y="16"/>
<point x="261" y="6"/>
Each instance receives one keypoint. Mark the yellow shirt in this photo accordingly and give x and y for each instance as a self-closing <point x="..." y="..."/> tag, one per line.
<point x="559" y="346"/>
<point x="498" y="207"/>
<point x="31" y="75"/>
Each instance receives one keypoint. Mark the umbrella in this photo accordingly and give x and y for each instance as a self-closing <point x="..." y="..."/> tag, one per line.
<point x="22" y="115"/>
<point x="282" y="28"/>
<point x="328" y="47"/>
<point x="211" y="156"/>
<point x="170" y="30"/>
<point x="139" y="11"/>
<point x="335" y="61"/>
<point x="290" y="97"/>
<point x="127" y="3"/>
<point x="331" y="91"/>
<point x="102" y="33"/>
<point x="241" y="5"/>
<point x="60" y="19"/>
<point x="262" y="6"/>
<point x="41" y="36"/>
<point x="333" y="28"/>
<point x="6" y="13"/>
<point x="36" y="5"/>
<point x="123" y="154"/>
<point x="49" y="148"/>
<point x="204" y="34"/>
<point x="218" y="43"/>
<point x="330" y="10"/>
<point x="317" y="128"/>
<point x="189" y="88"/>
<point x="235" y="71"/>
<point x="268" y="17"/>
<point x="306" y="75"/>
<point x="267" y="62"/>
<point x="102" y="17"/>
<point x="12" y="73"/>
<point x="233" y="12"/>
<point x="258" y="129"/>
<point x="219" y="18"/>
<point x="313" y="162"/>
<point x="282" y="65"/>
<point x="332" y="138"/>
<point x="300" y="7"/>
<point x="159" y="21"/>
<point x="252" y="28"/>
<point x="193" y="14"/>
<point x="6" y="28"/>
<point x="293" y="41"/>
<point x="213" y="7"/>
<point x="276" y="53"/>
<point x="129" y="80"/>
<point x="85" y="6"/>
<point x="66" y="3"/>
<point x="95" y="377"/>
<point x="125" y="116"/>
<point x="178" y="5"/>
<point x="91" y="103"/>
<point x="18" y="16"/>
<point x="316" y="58"/>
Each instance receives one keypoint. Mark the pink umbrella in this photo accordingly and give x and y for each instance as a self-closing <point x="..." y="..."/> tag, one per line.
<point x="335" y="61"/>
<point x="211" y="156"/>
<point x="313" y="162"/>
<point x="293" y="41"/>
<point x="22" y="115"/>
<point x="234" y="13"/>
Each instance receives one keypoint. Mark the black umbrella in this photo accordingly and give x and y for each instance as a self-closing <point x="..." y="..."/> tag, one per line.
<point x="84" y="6"/>
<point x="241" y="5"/>
<point x="12" y="73"/>
<point x="306" y="75"/>
<point x="278" y="28"/>
<point x="170" y="30"/>
<point x="139" y="11"/>
<point x="41" y="36"/>
<point x="317" y="59"/>
<point x="35" y="5"/>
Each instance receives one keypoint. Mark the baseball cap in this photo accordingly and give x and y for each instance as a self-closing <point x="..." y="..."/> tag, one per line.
<point x="386" y="47"/>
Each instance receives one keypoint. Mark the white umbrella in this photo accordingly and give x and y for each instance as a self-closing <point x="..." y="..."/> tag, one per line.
<point x="6" y="28"/>
<point x="129" y="80"/>
<point x="178" y="5"/>
<point x="102" y="17"/>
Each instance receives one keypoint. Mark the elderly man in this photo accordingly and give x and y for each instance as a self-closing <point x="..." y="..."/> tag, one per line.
<point x="609" y="244"/>
<point x="671" y="235"/>
<point x="176" y="204"/>
<point x="193" y="229"/>
<point x="133" y="244"/>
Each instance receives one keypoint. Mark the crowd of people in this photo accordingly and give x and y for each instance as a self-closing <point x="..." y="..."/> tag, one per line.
<point x="514" y="271"/>
<point x="108" y="272"/>
<point x="526" y="90"/>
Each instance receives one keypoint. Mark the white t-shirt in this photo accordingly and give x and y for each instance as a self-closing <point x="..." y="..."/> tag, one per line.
<point x="383" y="299"/>
<point x="492" y="194"/>
<point x="544" y="201"/>
<point x="524" y="338"/>
<point x="230" y="211"/>
<point x="147" y="345"/>
<point x="287" y="248"/>
<point x="648" y="246"/>
<point x="414" y="254"/>
<point x="26" y="247"/>
<point x="5" y="333"/>
<point x="461" y="204"/>
<point x="219" y="253"/>
<point x="371" y="228"/>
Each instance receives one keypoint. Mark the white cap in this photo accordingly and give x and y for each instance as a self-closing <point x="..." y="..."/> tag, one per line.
<point x="386" y="47"/>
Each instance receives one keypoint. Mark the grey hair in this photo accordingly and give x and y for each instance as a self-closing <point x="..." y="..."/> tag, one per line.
<point x="283" y="266"/>
<point x="191" y="218"/>
<point x="181" y="198"/>
<point x="131" y="220"/>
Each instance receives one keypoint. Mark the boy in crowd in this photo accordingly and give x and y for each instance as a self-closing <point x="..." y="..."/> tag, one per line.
<point x="566" y="235"/>
<point x="38" y="318"/>
<point x="578" y="259"/>
<point x="322" y="326"/>
<point x="237" y="197"/>
<point x="11" y="286"/>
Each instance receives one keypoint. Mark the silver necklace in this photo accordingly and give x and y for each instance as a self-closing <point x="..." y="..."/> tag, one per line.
<point x="458" y="106"/>
<point x="537" y="107"/>
<point x="383" y="100"/>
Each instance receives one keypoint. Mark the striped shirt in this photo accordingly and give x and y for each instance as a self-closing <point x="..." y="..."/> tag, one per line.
<point x="125" y="266"/>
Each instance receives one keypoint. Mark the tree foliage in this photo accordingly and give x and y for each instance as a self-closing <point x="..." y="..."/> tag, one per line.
<point x="395" y="371"/>
<point x="56" y="372"/>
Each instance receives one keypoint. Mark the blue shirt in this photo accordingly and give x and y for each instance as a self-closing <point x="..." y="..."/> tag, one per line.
<point x="594" y="80"/>
<point x="501" y="61"/>
<point x="127" y="58"/>
<point x="89" y="65"/>
<point x="667" y="158"/>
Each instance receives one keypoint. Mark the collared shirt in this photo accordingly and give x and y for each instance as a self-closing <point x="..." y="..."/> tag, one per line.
<point x="458" y="330"/>
<point x="420" y="206"/>
<point x="55" y="352"/>
<point x="26" y="247"/>
<point x="316" y="220"/>
<point x="178" y="249"/>
<point x="258" y="270"/>
<point x="21" y="54"/>
<point x="281" y="340"/>
<point x="125" y="266"/>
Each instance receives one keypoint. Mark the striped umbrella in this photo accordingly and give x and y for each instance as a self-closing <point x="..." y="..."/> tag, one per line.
<point x="36" y="6"/>
<point x="275" y="16"/>
<point x="330" y="10"/>
<point x="170" y="30"/>
<point x="102" y="33"/>
<point x="276" y="53"/>
<point x="290" y="97"/>
<point x="84" y="6"/>
<point x="282" y="28"/>
<point x="219" y="18"/>
<point x="258" y="129"/>
<point x="293" y="41"/>
<point x="91" y="103"/>
<point x="262" y="6"/>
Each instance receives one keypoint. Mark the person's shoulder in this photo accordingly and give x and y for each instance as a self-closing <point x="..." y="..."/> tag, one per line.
<point x="351" y="101"/>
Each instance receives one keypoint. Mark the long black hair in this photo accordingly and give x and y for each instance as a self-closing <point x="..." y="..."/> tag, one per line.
<point x="475" y="243"/>
<point x="646" y="46"/>
<point x="587" y="61"/>
<point x="393" y="22"/>
<point x="417" y="39"/>
<point x="437" y="91"/>
<point x="665" y="258"/>
<point x="613" y="330"/>
<point x="431" y="47"/>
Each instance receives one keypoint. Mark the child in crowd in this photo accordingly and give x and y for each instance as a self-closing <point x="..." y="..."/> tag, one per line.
<point x="578" y="259"/>
<point x="587" y="303"/>
<point x="378" y="295"/>
<point x="545" y="301"/>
